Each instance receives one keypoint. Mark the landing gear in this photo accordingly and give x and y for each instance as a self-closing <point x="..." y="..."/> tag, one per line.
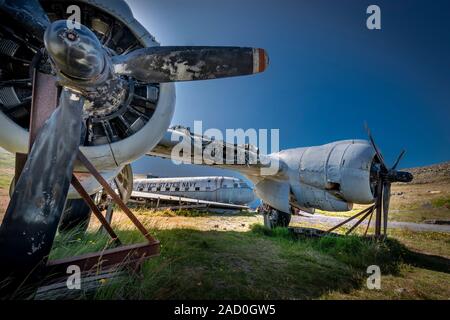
<point x="76" y="216"/>
<point x="274" y="218"/>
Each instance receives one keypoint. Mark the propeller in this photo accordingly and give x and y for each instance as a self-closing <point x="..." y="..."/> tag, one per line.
<point x="169" y="64"/>
<point x="79" y="57"/>
<point x="91" y="73"/>
<point x="40" y="192"/>
<point x="384" y="177"/>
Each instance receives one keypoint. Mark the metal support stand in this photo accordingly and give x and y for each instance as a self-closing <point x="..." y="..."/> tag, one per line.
<point x="364" y="213"/>
<point x="44" y="102"/>
<point x="108" y="216"/>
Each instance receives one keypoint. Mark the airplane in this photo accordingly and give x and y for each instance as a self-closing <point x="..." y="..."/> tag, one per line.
<point x="218" y="191"/>
<point x="330" y="177"/>
<point x="116" y="103"/>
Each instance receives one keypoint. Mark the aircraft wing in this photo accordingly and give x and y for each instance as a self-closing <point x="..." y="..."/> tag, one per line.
<point x="177" y="199"/>
<point x="179" y="144"/>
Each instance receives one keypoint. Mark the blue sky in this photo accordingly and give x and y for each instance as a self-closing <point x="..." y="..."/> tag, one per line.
<point x="328" y="73"/>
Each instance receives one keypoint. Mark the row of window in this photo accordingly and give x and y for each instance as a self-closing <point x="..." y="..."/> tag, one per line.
<point x="235" y="185"/>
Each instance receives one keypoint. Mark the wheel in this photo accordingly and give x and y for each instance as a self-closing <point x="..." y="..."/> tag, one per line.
<point x="76" y="216"/>
<point x="274" y="218"/>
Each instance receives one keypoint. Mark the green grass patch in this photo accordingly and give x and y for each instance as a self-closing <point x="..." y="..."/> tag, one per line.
<point x="161" y="212"/>
<point x="259" y="264"/>
<point x="7" y="160"/>
<point x="441" y="203"/>
<point x="5" y="180"/>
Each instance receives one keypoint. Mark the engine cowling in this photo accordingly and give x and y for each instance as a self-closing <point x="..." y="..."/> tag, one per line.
<point x="114" y="138"/>
<point x="330" y="177"/>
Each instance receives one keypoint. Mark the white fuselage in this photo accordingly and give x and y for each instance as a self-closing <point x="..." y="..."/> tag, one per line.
<point x="218" y="189"/>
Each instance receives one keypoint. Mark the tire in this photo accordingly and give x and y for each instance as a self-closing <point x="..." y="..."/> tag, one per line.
<point x="75" y="217"/>
<point x="275" y="218"/>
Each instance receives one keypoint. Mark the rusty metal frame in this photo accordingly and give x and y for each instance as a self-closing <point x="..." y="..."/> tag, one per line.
<point x="106" y="260"/>
<point x="77" y="185"/>
<point x="44" y="102"/>
<point x="90" y="167"/>
<point x="364" y="213"/>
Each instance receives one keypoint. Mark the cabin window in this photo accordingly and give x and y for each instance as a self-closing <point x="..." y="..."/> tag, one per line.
<point x="177" y="188"/>
<point x="197" y="188"/>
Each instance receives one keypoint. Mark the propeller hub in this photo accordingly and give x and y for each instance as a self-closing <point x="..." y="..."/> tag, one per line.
<point x="82" y="64"/>
<point x="398" y="176"/>
<point x="76" y="53"/>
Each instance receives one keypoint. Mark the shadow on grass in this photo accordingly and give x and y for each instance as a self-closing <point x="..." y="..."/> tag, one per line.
<point x="428" y="261"/>
<point x="259" y="264"/>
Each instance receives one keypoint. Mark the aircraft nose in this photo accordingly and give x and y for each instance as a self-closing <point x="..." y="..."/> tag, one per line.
<point x="76" y="52"/>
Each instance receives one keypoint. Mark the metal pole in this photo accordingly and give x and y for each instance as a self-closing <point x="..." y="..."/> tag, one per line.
<point x="349" y="219"/>
<point x="77" y="185"/>
<point x="359" y="222"/>
<point x="114" y="196"/>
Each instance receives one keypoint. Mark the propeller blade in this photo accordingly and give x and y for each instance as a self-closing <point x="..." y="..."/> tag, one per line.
<point x="386" y="200"/>
<point x="377" y="151"/>
<point x="33" y="214"/>
<point x="400" y="156"/>
<point x="29" y="14"/>
<point x="170" y="64"/>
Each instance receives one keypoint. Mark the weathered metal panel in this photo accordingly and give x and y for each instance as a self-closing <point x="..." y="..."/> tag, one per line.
<point x="274" y="193"/>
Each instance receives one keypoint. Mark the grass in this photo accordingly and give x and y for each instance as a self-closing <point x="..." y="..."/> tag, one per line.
<point x="143" y="210"/>
<point x="7" y="162"/>
<point x="5" y="181"/>
<point x="441" y="202"/>
<point x="260" y="264"/>
<point x="433" y="243"/>
<point x="6" y="159"/>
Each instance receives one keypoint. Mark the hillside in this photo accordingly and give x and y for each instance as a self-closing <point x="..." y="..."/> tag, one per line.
<point x="426" y="197"/>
